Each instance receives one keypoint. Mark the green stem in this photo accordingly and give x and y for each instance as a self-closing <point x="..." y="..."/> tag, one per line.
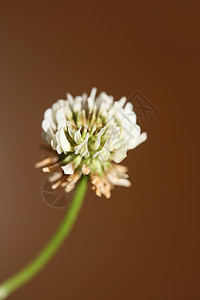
<point x="18" y="280"/>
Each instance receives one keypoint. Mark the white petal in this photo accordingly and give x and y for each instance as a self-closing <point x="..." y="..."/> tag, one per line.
<point x="54" y="143"/>
<point x="103" y="97"/>
<point x="62" y="140"/>
<point x="61" y="102"/>
<point x="120" y="154"/>
<point x="48" y="130"/>
<point x="103" y="110"/>
<point x="55" y="106"/>
<point x="128" y="107"/>
<point x="82" y="149"/>
<point x="104" y="153"/>
<point x="62" y="124"/>
<point x="90" y="100"/>
<point x="77" y="136"/>
<point x="97" y="143"/>
<point x="46" y="125"/>
<point x="70" y="99"/>
<point x="71" y="130"/>
<point x="131" y="132"/>
<point x="68" y="111"/>
<point x="59" y="149"/>
<point x="77" y="104"/>
<point x="122" y="101"/>
<point x="68" y="169"/>
<point x="93" y="93"/>
<point x="48" y="113"/>
<point x="60" y="115"/>
<point x="136" y="142"/>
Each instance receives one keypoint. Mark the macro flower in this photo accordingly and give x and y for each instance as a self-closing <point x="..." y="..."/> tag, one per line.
<point x="89" y="135"/>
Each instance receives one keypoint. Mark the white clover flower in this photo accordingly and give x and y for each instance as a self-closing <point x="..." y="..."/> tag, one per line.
<point x="90" y="136"/>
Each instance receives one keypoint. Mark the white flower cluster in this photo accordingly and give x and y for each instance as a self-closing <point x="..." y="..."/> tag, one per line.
<point x="88" y="129"/>
<point x="90" y="135"/>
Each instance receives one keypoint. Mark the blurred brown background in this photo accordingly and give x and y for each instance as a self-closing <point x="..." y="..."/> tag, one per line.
<point x="143" y="243"/>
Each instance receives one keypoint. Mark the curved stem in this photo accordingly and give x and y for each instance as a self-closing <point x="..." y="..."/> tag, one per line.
<point x="18" y="280"/>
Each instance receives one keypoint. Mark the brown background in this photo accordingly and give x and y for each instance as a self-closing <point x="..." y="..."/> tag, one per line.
<point x="143" y="243"/>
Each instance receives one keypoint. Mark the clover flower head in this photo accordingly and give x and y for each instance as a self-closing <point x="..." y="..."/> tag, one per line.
<point x="90" y="135"/>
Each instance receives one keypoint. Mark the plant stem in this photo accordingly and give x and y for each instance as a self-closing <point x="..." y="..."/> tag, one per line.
<point x="26" y="274"/>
